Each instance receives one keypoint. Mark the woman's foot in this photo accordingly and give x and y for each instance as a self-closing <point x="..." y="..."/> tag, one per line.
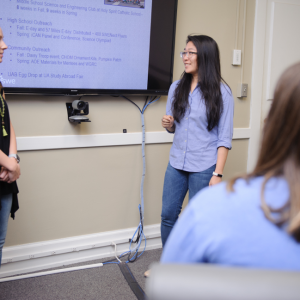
<point x="147" y="273"/>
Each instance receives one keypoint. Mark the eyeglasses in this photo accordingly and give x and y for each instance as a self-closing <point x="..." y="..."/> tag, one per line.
<point x="187" y="54"/>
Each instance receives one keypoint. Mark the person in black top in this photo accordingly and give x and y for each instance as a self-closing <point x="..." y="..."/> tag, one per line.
<point x="9" y="163"/>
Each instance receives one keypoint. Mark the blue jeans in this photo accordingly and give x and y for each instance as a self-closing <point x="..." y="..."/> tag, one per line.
<point x="176" y="185"/>
<point x="6" y="202"/>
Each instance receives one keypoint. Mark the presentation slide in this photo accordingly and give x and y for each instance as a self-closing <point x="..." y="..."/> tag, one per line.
<point x="91" y="44"/>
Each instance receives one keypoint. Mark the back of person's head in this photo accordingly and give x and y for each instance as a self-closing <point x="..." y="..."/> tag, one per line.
<point x="280" y="147"/>
<point x="281" y="137"/>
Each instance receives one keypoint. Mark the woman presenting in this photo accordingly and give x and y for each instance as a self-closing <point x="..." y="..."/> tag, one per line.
<point x="200" y="114"/>
<point x="9" y="167"/>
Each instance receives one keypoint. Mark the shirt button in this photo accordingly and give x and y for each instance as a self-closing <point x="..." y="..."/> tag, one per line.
<point x="185" y="140"/>
<point x="185" y="129"/>
<point x="186" y="118"/>
<point x="183" y="151"/>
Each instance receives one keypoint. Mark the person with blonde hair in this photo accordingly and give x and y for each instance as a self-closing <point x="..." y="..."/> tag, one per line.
<point x="9" y="162"/>
<point x="253" y="220"/>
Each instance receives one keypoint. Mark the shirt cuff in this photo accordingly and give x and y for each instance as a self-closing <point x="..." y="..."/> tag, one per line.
<point x="171" y="131"/>
<point x="225" y="144"/>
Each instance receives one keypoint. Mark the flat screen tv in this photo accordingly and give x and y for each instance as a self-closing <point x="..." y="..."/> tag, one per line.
<point x="91" y="47"/>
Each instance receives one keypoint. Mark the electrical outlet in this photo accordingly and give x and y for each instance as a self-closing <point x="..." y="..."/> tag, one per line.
<point x="242" y="90"/>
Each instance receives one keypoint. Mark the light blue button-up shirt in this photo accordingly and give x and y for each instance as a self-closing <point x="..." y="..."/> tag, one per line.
<point x="195" y="148"/>
<point x="230" y="228"/>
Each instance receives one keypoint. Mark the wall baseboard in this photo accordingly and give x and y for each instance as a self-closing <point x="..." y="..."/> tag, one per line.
<point x="103" y="140"/>
<point x="55" y="253"/>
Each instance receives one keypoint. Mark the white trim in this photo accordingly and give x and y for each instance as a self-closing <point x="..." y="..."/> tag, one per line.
<point x="241" y="133"/>
<point x="257" y="81"/>
<point x="92" y="140"/>
<point x="269" y="92"/>
<point x="56" y="271"/>
<point x="102" y="140"/>
<point x="50" y="254"/>
<point x="261" y="91"/>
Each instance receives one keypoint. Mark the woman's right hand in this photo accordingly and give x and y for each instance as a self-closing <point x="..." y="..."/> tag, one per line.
<point x="168" y="122"/>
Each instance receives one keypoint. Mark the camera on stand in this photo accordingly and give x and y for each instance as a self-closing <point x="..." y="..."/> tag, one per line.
<point x="77" y="111"/>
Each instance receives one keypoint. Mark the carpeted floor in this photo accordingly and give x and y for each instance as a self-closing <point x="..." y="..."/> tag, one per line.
<point x="105" y="283"/>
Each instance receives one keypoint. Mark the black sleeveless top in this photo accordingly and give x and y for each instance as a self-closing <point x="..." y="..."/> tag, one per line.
<point x="7" y="188"/>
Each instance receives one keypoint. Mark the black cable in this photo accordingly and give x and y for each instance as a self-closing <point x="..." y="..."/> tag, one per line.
<point x="145" y="103"/>
<point x="130" y="259"/>
<point x="154" y="98"/>
<point x="139" y="232"/>
<point x="132" y="103"/>
<point x="133" y="284"/>
<point x="137" y="239"/>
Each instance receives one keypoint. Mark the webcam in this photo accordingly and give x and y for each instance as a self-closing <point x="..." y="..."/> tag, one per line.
<point x="77" y="111"/>
<point x="79" y="105"/>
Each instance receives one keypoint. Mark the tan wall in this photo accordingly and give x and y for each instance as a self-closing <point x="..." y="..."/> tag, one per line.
<point x="73" y="192"/>
<point x="218" y="18"/>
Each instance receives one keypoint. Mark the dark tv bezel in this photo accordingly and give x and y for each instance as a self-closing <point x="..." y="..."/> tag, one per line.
<point x="161" y="33"/>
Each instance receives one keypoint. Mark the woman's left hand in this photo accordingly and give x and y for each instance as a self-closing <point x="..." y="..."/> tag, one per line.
<point x="215" y="180"/>
<point x="4" y="174"/>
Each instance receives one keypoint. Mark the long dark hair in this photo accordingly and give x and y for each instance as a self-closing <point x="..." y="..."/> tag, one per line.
<point x="280" y="148"/>
<point x="209" y="76"/>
